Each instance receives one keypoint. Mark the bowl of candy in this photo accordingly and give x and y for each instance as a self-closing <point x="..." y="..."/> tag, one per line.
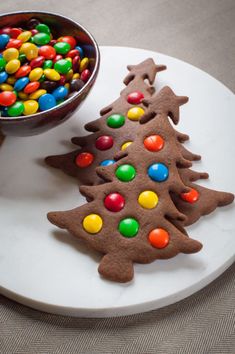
<point x="48" y="65"/>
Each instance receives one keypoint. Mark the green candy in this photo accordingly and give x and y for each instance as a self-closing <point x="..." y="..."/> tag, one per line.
<point x="22" y="58"/>
<point x="128" y="227"/>
<point x="42" y="78"/>
<point x="2" y="64"/>
<point x="47" y="64"/>
<point x="115" y="121"/>
<point x="125" y="173"/>
<point x="43" y="28"/>
<point x="41" y="38"/>
<point x="63" y="66"/>
<point x="59" y="102"/>
<point x="16" y="109"/>
<point x="62" y="47"/>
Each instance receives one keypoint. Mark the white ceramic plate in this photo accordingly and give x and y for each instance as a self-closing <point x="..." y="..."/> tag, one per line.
<point x="45" y="268"/>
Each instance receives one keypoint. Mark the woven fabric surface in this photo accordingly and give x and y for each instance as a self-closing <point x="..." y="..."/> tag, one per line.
<point x="203" y="34"/>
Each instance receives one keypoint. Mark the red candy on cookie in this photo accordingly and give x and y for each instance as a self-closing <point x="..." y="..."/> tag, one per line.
<point x="135" y="97"/>
<point x="104" y="142"/>
<point x="191" y="196"/>
<point x="114" y="202"/>
<point x="84" y="159"/>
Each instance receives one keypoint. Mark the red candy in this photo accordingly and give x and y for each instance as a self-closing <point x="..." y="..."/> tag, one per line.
<point x="6" y="30"/>
<point x="57" y="57"/>
<point x="104" y="142"/>
<point x="52" y="42"/>
<point x="159" y="238"/>
<point x="114" y="202"/>
<point x="34" y="31"/>
<point x="62" y="80"/>
<point x="135" y="97"/>
<point x="154" y="143"/>
<point x="7" y="98"/>
<point x="85" y="75"/>
<point x="73" y="53"/>
<point x="14" y="43"/>
<point x="191" y="196"/>
<point x="23" y="71"/>
<point x="68" y="39"/>
<point x="31" y="87"/>
<point x="47" y="52"/>
<point x="37" y="62"/>
<point x="76" y="62"/>
<point x="15" y="32"/>
<point x="84" y="159"/>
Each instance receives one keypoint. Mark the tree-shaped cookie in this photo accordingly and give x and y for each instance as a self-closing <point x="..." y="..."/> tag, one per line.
<point x="131" y="217"/>
<point x="113" y="130"/>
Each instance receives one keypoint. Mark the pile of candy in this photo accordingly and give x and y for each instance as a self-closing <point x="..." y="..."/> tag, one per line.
<point x="37" y="71"/>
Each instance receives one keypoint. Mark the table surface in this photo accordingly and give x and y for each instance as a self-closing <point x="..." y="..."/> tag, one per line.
<point x="201" y="33"/>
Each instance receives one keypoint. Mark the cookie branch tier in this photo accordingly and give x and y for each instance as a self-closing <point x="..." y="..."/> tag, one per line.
<point x="131" y="216"/>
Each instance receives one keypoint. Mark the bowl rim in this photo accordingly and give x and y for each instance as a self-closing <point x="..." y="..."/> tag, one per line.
<point x="73" y="97"/>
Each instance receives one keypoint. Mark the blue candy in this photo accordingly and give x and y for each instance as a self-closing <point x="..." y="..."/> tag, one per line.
<point x="21" y="83"/>
<point x="4" y="39"/>
<point x="3" y="77"/>
<point x="158" y="172"/>
<point x="4" y="112"/>
<point x="60" y="92"/>
<point x="81" y="52"/>
<point x="107" y="162"/>
<point x="46" y="101"/>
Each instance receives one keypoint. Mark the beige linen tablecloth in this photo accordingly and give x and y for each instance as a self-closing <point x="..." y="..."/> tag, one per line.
<point x="201" y="32"/>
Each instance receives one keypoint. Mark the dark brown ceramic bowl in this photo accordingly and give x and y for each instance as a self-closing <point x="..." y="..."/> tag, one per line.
<point x="40" y="122"/>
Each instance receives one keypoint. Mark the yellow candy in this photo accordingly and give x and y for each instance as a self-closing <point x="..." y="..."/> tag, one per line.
<point x="12" y="66"/>
<point x="69" y="59"/>
<point x="11" y="80"/>
<point x="69" y="75"/>
<point x="30" y="107"/>
<point x="35" y="95"/>
<point x="67" y="85"/>
<point x="30" y="50"/>
<point x="76" y="76"/>
<point x="92" y="223"/>
<point x="6" y="87"/>
<point x="25" y="36"/>
<point x="23" y="96"/>
<point x="125" y="145"/>
<point x="52" y="74"/>
<point x="148" y="199"/>
<point x="83" y="64"/>
<point x="35" y="74"/>
<point x="135" y="113"/>
<point x="10" y="54"/>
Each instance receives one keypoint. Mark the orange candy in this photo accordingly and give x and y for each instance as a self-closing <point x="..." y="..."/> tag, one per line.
<point x="154" y="143"/>
<point x="191" y="196"/>
<point x="31" y="87"/>
<point x="159" y="238"/>
<point x="84" y="159"/>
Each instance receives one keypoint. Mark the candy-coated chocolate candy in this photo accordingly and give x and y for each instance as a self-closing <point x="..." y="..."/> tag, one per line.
<point x="31" y="87"/>
<point x="128" y="227"/>
<point x="47" y="64"/>
<point x="47" y="51"/>
<point x="6" y="87"/>
<point x="10" y="54"/>
<point x="135" y="113"/>
<point x="49" y="86"/>
<point x="25" y="36"/>
<point x="115" y="121"/>
<point x="76" y="76"/>
<point x="4" y="39"/>
<point x="62" y="80"/>
<point x="81" y="52"/>
<point x="52" y="74"/>
<point x="35" y="95"/>
<point x="11" y="80"/>
<point x="125" y="173"/>
<point x="35" y="74"/>
<point x="92" y="223"/>
<point x="2" y="64"/>
<point x="191" y="196"/>
<point x="57" y="57"/>
<point x="42" y="78"/>
<point x="70" y="40"/>
<point x="60" y="93"/>
<point x="159" y="238"/>
<point x="148" y="199"/>
<point x="46" y="101"/>
<point x="41" y="38"/>
<point x="7" y="98"/>
<point x="33" y="31"/>
<point x="85" y="75"/>
<point x="69" y="75"/>
<point x="76" y="63"/>
<point x="42" y="27"/>
<point x="52" y="42"/>
<point x="83" y="64"/>
<point x="5" y="30"/>
<point x="135" y="97"/>
<point x="114" y="202"/>
<point x="154" y="143"/>
<point x="15" y="32"/>
<point x="30" y="107"/>
<point x="3" y="112"/>
<point x="22" y="58"/>
<point x="30" y="50"/>
<point x="12" y="66"/>
<point x="73" y="53"/>
<point x="23" y="71"/>
<point x="16" y="109"/>
<point x="63" y="66"/>
<point x="3" y="77"/>
<point x="76" y="85"/>
<point x="21" y="83"/>
<point x="158" y="172"/>
<point x="62" y="47"/>
<point x="37" y="62"/>
<point x="23" y="96"/>
<point x="14" y="43"/>
<point x="125" y="145"/>
<point x="104" y="142"/>
<point x="84" y="159"/>
<point x="67" y="85"/>
<point x="107" y="162"/>
<point x="32" y="23"/>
